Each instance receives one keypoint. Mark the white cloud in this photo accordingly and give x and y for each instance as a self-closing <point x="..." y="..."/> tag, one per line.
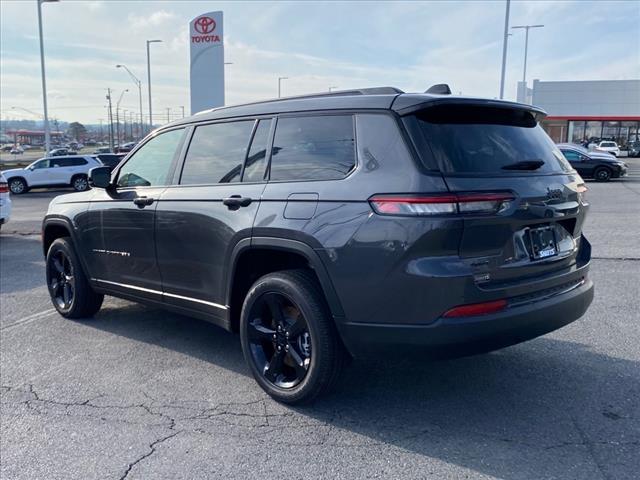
<point x="156" y="19"/>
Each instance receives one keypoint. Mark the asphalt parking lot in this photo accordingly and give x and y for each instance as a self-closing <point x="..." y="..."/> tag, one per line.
<point x="141" y="393"/>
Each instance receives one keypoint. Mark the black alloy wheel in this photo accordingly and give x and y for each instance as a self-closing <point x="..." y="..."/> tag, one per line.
<point x="70" y="291"/>
<point x="61" y="281"/>
<point x="288" y="337"/>
<point x="603" y="174"/>
<point x="279" y="340"/>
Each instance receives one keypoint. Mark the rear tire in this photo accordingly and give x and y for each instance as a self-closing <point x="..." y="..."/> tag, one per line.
<point x="69" y="289"/>
<point x="294" y="355"/>
<point x="18" y="186"/>
<point x="602" y="174"/>
<point x="80" y="183"/>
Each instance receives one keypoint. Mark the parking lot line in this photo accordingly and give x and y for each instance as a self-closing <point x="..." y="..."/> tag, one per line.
<point x="29" y="319"/>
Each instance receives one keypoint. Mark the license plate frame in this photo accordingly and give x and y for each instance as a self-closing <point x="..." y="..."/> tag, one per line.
<point x="543" y="242"/>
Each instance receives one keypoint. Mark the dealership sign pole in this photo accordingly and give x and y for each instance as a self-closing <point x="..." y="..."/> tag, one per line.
<point x="207" y="61"/>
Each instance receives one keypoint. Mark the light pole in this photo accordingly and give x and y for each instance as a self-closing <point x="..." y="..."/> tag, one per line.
<point x="47" y="135"/>
<point x="149" y="81"/>
<point x="182" y="108"/>
<point x="505" y="40"/>
<point x="118" y="115"/>
<point x="139" y="84"/>
<point x="526" y="47"/>
<point x="280" y="84"/>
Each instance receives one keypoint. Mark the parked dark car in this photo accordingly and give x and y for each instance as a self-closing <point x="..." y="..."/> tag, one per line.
<point x="634" y="149"/>
<point x="601" y="166"/>
<point x="125" y="147"/>
<point x="61" y="152"/>
<point x="336" y="225"/>
<point x="110" y="160"/>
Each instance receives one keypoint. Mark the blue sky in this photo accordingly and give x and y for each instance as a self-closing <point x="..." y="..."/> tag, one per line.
<point x="411" y="45"/>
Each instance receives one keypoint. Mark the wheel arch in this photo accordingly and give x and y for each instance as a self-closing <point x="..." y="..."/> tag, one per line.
<point x="290" y="254"/>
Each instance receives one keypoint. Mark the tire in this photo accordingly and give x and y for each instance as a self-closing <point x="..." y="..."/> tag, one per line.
<point x="69" y="289"/>
<point x="80" y="183"/>
<point x="602" y="174"/>
<point x="311" y="354"/>
<point x="18" y="186"/>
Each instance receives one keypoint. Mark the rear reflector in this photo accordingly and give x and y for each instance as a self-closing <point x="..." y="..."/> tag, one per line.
<point x="446" y="204"/>
<point x="4" y="188"/>
<point x="475" y="309"/>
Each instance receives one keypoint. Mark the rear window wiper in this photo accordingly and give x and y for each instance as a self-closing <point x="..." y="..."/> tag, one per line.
<point x="524" y="165"/>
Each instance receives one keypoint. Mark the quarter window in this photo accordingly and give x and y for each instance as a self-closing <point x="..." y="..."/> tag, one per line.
<point x="216" y="153"/>
<point x="313" y="148"/>
<point x="150" y="165"/>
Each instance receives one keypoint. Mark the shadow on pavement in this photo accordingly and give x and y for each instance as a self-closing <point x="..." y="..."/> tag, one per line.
<point x="18" y="272"/>
<point x="542" y="409"/>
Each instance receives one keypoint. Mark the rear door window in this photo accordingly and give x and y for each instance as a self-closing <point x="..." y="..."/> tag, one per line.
<point x="483" y="140"/>
<point x="313" y="148"/>
<point x="216" y="153"/>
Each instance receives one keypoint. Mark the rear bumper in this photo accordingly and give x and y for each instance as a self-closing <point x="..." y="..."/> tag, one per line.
<point x="452" y="337"/>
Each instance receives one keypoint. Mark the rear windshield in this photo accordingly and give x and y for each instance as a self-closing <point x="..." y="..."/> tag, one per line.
<point x="463" y="139"/>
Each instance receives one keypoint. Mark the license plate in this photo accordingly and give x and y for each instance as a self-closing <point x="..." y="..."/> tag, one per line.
<point x="543" y="242"/>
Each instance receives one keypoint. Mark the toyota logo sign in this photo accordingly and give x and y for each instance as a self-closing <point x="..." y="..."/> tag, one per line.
<point x="204" y="25"/>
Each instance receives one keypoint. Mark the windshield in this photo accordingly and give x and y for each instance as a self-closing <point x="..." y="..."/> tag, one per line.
<point x="473" y="139"/>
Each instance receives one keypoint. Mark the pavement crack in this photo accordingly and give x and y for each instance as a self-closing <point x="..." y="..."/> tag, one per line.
<point x="152" y="450"/>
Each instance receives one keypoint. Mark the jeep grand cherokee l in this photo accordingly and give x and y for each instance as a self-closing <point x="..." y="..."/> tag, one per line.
<point x="332" y="225"/>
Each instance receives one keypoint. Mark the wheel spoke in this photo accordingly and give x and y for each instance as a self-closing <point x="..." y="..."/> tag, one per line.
<point x="57" y="264"/>
<point x="275" y="307"/>
<point x="66" y="295"/>
<point x="260" y="333"/>
<point x="55" y="286"/>
<point x="297" y="327"/>
<point x="274" y="368"/>
<point x="298" y="362"/>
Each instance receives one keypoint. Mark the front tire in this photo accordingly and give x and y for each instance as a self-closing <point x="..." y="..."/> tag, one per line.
<point x="69" y="289"/>
<point x="602" y="174"/>
<point x="288" y="337"/>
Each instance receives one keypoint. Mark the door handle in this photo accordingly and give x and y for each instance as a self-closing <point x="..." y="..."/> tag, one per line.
<point x="142" y="202"/>
<point x="234" y="202"/>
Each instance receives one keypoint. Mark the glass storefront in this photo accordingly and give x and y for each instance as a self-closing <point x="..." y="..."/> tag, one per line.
<point x="591" y="131"/>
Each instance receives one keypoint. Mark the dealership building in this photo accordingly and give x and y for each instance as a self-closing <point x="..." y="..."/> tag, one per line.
<point x="588" y="110"/>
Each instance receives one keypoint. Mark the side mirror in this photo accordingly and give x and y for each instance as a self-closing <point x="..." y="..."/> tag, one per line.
<point x="32" y="168"/>
<point x="100" y="177"/>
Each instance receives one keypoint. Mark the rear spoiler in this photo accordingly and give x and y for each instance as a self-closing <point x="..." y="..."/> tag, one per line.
<point x="408" y="104"/>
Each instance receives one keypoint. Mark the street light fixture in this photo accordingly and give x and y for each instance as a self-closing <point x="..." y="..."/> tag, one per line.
<point x="149" y="81"/>
<point x="47" y="135"/>
<point x="526" y="47"/>
<point x="139" y="84"/>
<point x="280" y="84"/>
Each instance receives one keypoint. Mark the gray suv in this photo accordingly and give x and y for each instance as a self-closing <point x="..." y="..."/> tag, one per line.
<point x="332" y="226"/>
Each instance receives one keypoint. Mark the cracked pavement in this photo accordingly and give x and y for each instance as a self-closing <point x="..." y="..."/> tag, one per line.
<point x="138" y="393"/>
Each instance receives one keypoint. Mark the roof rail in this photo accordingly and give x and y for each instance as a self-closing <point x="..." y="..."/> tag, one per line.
<point x="439" y="89"/>
<point x="344" y="93"/>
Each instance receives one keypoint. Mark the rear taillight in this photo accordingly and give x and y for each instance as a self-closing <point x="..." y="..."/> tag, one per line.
<point x="441" y="204"/>
<point x="475" y="309"/>
<point x="4" y="188"/>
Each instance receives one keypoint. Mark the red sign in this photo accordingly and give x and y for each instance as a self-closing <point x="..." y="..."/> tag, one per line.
<point x="204" y="26"/>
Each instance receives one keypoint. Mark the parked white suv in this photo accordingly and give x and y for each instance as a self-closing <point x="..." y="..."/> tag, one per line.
<point x="609" y="147"/>
<point x="52" y="172"/>
<point x="5" y="201"/>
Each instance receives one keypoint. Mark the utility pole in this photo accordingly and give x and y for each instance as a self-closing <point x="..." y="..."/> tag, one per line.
<point x="110" y="120"/>
<point x="168" y="113"/>
<point x="182" y="108"/>
<point x="47" y="134"/>
<point x="505" y="40"/>
<point x="149" y="81"/>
